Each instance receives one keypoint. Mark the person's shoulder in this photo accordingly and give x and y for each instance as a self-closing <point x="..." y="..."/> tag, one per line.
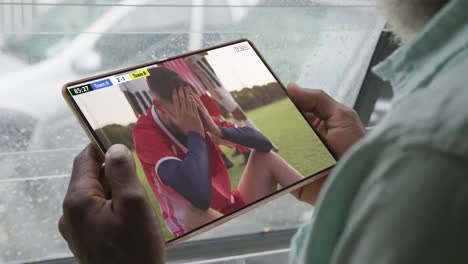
<point x="146" y="130"/>
<point x="145" y="122"/>
<point x="150" y="143"/>
<point x="434" y="115"/>
<point x="142" y="122"/>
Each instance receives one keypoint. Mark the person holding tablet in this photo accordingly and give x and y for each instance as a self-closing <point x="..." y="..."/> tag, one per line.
<point x="397" y="196"/>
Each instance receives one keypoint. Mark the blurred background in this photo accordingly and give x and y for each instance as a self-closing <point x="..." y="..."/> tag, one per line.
<point x="326" y="44"/>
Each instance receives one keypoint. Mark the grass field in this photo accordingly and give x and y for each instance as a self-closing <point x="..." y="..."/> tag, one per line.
<point x="286" y="128"/>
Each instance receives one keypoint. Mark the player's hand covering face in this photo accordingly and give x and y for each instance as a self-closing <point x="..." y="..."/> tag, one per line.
<point x="185" y="116"/>
<point x="207" y="121"/>
<point x="113" y="222"/>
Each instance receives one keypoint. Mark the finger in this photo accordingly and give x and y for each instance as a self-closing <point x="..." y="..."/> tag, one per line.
<point x="65" y="232"/>
<point x="120" y="168"/>
<point x="322" y="129"/>
<point x="195" y="100"/>
<point x="190" y="93"/>
<point x="63" y="229"/>
<point x="315" y="101"/>
<point x="297" y="193"/>
<point x="310" y="117"/>
<point x="317" y="123"/>
<point x="201" y="106"/>
<point x="105" y="182"/>
<point x="198" y="100"/>
<point x="311" y="191"/>
<point x="198" y="103"/>
<point x="183" y="101"/>
<point x="176" y="99"/>
<point x="190" y="90"/>
<point x="314" y="121"/>
<point x="85" y="172"/>
<point x="193" y="104"/>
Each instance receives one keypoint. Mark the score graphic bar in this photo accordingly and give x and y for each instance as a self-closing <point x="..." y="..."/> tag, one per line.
<point x="114" y="80"/>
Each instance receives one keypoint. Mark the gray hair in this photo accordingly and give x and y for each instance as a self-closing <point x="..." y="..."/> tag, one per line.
<point x="407" y="17"/>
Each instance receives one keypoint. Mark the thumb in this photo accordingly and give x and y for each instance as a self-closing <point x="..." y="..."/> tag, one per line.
<point x="312" y="100"/>
<point x="120" y="169"/>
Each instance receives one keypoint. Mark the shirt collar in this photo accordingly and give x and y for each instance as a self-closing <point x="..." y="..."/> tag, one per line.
<point x="417" y="61"/>
<point x="166" y="130"/>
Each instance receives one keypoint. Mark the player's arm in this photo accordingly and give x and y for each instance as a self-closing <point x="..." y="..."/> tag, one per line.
<point x="190" y="177"/>
<point x="246" y="136"/>
<point x="226" y="131"/>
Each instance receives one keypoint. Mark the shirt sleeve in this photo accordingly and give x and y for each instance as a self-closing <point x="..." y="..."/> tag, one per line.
<point x="222" y="123"/>
<point x="247" y="136"/>
<point x="244" y="136"/>
<point x="190" y="177"/>
<point x="412" y="208"/>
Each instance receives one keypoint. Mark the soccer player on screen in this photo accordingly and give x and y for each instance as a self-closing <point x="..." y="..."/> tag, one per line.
<point x="176" y="144"/>
<point x="183" y="68"/>
<point x="208" y="77"/>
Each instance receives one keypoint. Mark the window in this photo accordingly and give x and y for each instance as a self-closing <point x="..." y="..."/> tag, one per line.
<point x="67" y="19"/>
<point x="318" y="43"/>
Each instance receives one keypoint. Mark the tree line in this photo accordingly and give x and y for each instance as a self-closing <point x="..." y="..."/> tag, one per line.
<point x="258" y="96"/>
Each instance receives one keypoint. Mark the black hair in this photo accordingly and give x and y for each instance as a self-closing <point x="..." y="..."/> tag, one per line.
<point x="162" y="81"/>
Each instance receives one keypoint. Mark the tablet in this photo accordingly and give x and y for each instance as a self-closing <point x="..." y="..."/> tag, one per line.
<point x="213" y="133"/>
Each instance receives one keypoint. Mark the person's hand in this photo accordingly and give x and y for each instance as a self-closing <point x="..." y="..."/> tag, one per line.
<point x="109" y="219"/>
<point x="186" y="116"/>
<point x="207" y="121"/>
<point x="336" y="123"/>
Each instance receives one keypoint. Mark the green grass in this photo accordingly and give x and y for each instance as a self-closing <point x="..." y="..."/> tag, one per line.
<point x="286" y="128"/>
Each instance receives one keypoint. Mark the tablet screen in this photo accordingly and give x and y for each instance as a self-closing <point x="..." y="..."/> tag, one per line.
<point x="212" y="133"/>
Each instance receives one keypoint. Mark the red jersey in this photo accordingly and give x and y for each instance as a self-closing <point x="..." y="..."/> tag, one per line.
<point x="154" y="143"/>
<point x="210" y="105"/>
